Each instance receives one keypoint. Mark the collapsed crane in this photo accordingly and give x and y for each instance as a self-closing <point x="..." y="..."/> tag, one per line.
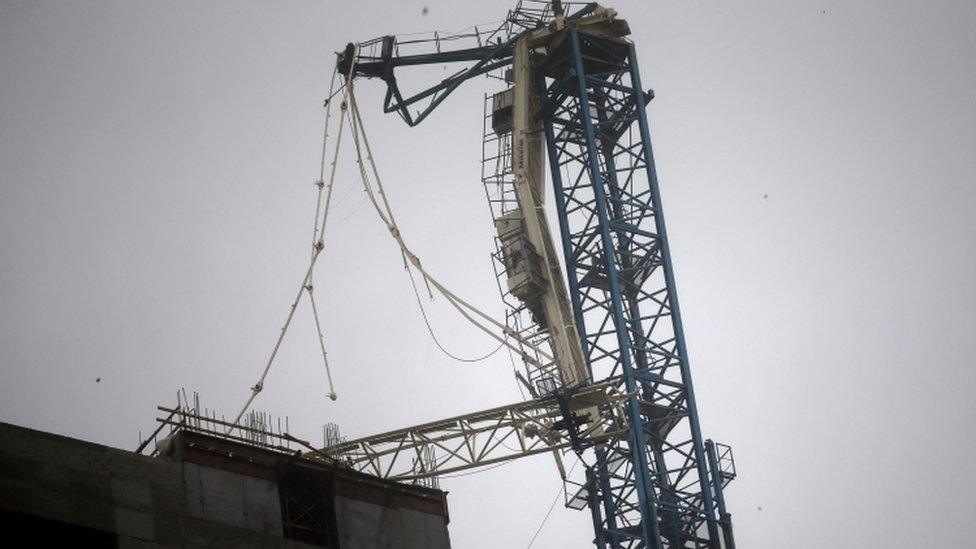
<point x="616" y="387"/>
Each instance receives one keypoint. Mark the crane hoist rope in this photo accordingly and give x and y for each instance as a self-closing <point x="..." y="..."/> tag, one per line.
<point x="349" y="112"/>
<point x="318" y="244"/>
<point x="385" y="212"/>
<point x="433" y="336"/>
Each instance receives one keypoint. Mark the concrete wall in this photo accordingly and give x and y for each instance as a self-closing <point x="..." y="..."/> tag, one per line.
<point x="364" y="524"/>
<point x="56" y="486"/>
<point x="232" y="499"/>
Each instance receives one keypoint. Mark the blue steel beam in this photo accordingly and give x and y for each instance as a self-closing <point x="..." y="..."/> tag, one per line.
<point x="487" y="58"/>
<point x="725" y="519"/>
<point x="618" y="265"/>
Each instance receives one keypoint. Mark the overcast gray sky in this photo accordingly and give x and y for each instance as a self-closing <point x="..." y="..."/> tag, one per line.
<point x="816" y="163"/>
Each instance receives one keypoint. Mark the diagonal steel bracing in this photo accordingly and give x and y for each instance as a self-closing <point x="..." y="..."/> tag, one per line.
<point x="651" y="487"/>
<point x="487" y="437"/>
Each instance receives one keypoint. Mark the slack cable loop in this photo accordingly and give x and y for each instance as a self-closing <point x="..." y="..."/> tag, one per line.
<point x="430" y="330"/>
<point x="386" y="215"/>
<point x="462" y="306"/>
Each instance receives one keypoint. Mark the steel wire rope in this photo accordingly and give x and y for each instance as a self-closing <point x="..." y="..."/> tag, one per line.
<point x="430" y="330"/>
<point x="551" y="507"/>
<point x="479" y="470"/>
<point x="462" y="306"/>
<point x="456" y="301"/>
<point x="495" y="466"/>
<point x="349" y="215"/>
<point x="318" y="237"/>
<point x="325" y="138"/>
<point x="495" y="24"/>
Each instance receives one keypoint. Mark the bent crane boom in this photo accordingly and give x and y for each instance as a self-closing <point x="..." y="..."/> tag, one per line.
<point x="618" y="390"/>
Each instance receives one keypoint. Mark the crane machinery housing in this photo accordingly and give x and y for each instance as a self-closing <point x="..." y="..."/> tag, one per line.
<point x="607" y="365"/>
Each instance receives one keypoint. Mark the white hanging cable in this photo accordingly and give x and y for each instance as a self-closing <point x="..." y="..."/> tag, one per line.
<point x="325" y="355"/>
<point x="317" y="247"/>
<point x="320" y="182"/>
<point x="344" y="108"/>
<point x="430" y="330"/>
<point x="317" y="239"/>
<point x="386" y="215"/>
<point x="318" y="234"/>
<point x="462" y="306"/>
<point x="259" y="386"/>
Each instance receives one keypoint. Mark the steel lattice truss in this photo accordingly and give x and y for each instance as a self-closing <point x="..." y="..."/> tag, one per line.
<point x="649" y="488"/>
<point x="482" y="438"/>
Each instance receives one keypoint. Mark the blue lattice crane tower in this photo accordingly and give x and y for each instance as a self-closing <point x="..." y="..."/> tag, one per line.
<point x="575" y="104"/>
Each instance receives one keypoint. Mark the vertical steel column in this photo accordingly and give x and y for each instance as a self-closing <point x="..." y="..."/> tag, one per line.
<point x="593" y="501"/>
<point x="635" y="322"/>
<point x="725" y="519"/>
<point x="653" y="484"/>
<point x="672" y="292"/>
<point x="638" y="446"/>
<point x="601" y="475"/>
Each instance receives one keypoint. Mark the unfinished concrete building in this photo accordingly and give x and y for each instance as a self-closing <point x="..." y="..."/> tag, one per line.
<point x="204" y="490"/>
